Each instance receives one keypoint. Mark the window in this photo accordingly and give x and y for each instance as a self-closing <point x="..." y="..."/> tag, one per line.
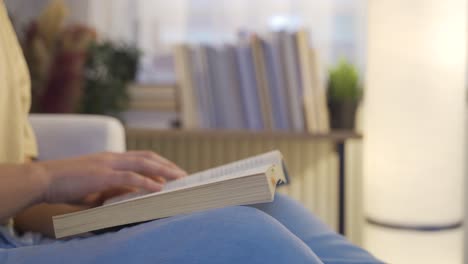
<point x="337" y="26"/>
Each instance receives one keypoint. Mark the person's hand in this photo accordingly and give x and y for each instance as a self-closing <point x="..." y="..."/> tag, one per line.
<point x="99" y="198"/>
<point x="72" y="180"/>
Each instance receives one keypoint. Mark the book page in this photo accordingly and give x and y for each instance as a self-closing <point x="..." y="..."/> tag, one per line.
<point x="228" y="170"/>
<point x="269" y="158"/>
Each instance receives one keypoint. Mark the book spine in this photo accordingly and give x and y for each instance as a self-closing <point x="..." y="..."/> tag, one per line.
<point x="186" y="94"/>
<point x="262" y="81"/>
<point x="248" y="85"/>
<point x="293" y="80"/>
<point x="215" y="83"/>
<point x="276" y="82"/>
<point x="201" y="89"/>
<point x="309" y="83"/>
<point x="235" y="110"/>
<point x="321" y="95"/>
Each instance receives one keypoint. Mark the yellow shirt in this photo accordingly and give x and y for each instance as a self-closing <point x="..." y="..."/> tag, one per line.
<point x="16" y="138"/>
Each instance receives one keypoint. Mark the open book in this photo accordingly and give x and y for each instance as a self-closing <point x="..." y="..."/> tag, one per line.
<point x="243" y="182"/>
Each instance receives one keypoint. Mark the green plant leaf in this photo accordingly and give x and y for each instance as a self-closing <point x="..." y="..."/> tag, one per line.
<point x="344" y="83"/>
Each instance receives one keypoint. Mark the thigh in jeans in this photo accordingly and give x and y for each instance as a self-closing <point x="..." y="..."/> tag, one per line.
<point x="229" y="235"/>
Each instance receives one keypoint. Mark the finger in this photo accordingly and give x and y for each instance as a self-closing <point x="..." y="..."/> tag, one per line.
<point x="113" y="192"/>
<point x="158" y="179"/>
<point x="155" y="157"/>
<point x="132" y="179"/>
<point x="158" y="159"/>
<point x="116" y="191"/>
<point x="151" y="155"/>
<point x="91" y="199"/>
<point x="147" y="167"/>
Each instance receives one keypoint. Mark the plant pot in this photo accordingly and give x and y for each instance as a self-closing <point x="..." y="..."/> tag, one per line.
<point x="342" y="114"/>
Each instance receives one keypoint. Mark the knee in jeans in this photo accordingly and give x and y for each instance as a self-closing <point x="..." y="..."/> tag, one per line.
<point x="250" y="224"/>
<point x="256" y="235"/>
<point x="245" y="215"/>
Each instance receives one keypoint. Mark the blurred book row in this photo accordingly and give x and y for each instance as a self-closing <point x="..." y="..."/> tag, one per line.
<point x="262" y="82"/>
<point x="268" y="82"/>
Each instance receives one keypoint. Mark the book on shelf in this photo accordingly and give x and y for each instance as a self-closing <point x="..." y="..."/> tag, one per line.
<point x="151" y="106"/>
<point x="229" y="109"/>
<point x="152" y="97"/>
<point x="315" y="108"/>
<point x="261" y="78"/>
<point x="277" y="86"/>
<point x="249" y="181"/>
<point x="321" y="101"/>
<point x="248" y="86"/>
<point x="235" y="115"/>
<point x="190" y="115"/>
<point x="292" y="73"/>
<point x="308" y="82"/>
<point x="202" y="89"/>
<point x="214" y="82"/>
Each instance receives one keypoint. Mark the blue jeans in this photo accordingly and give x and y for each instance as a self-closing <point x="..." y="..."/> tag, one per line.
<point x="278" y="232"/>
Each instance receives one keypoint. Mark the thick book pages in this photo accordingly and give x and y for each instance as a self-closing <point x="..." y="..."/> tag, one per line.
<point x="248" y="181"/>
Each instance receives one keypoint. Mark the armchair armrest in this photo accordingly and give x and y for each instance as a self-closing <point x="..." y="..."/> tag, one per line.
<point x="62" y="136"/>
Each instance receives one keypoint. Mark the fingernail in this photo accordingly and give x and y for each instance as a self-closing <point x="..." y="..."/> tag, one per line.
<point x="153" y="186"/>
<point x="183" y="172"/>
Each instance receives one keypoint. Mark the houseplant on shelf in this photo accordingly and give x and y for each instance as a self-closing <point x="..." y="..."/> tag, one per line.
<point x="71" y="70"/>
<point x="344" y="95"/>
<point x="108" y="70"/>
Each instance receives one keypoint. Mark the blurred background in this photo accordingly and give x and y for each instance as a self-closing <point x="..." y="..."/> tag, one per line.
<point x="365" y="99"/>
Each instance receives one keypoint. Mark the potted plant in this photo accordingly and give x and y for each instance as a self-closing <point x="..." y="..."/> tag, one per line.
<point x="108" y="70"/>
<point x="344" y="95"/>
<point x="71" y="71"/>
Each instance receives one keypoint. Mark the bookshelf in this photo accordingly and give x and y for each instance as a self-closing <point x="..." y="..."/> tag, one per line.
<point x="337" y="136"/>
<point x="160" y="140"/>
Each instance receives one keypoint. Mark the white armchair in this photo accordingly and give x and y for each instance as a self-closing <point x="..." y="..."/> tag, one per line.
<point x="62" y="136"/>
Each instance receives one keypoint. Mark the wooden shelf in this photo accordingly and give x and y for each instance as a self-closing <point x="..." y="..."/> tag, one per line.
<point x="337" y="136"/>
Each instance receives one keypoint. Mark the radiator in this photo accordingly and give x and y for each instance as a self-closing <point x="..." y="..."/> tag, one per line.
<point x="311" y="162"/>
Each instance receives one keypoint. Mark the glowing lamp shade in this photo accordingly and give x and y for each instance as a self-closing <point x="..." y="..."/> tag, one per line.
<point x="415" y="103"/>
